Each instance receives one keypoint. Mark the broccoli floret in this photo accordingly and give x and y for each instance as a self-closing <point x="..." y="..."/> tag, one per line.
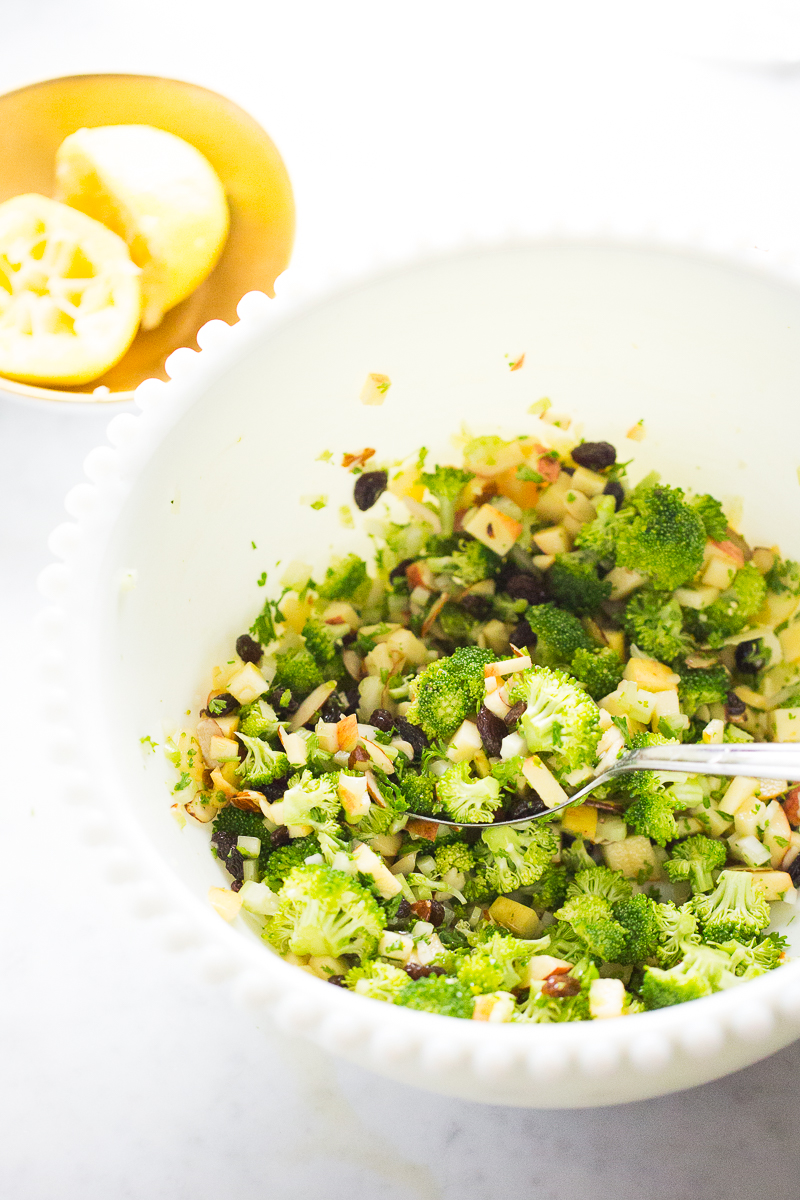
<point x="583" y="907"/>
<point x="258" y="719"/>
<point x="508" y="771"/>
<point x="497" y="964"/>
<point x="469" y="562"/>
<point x="576" y="857"/>
<point x="573" y="583"/>
<point x="376" y="979"/>
<point x="343" y="578"/>
<point x="751" y="959"/>
<point x="456" y="623"/>
<point x="654" y="622"/>
<point x="784" y="576"/>
<point x="565" y="943"/>
<point x="477" y="889"/>
<point x="446" y="484"/>
<point x="637" y="916"/>
<point x="653" y="806"/>
<point x="420" y="793"/>
<point x="311" y="802"/>
<point x="731" y="612"/>
<point x="677" y="927"/>
<point x="244" y="824"/>
<point x="701" y="971"/>
<point x="735" y="909"/>
<point x="701" y="685"/>
<point x="321" y="642"/>
<point x="550" y="890"/>
<point x="559" y="719"/>
<point x="440" y="994"/>
<point x="283" y="860"/>
<point x="322" y="911"/>
<point x="383" y="820"/>
<point x="262" y="764"/>
<point x="454" y="856"/>
<point x="665" y="539"/>
<point x="601" y="881"/>
<point x="558" y="635"/>
<point x="519" y="854"/>
<point x="694" y="859"/>
<point x="591" y="917"/>
<point x="467" y="799"/>
<point x="297" y="671"/>
<point x="714" y="520"/>
<point x="597" y="537"/>
<point x="447" y="691"/>
<point x="599" y="670"/>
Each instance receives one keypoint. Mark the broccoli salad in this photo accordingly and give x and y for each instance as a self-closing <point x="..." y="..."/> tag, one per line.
<point x="525" y="616"/>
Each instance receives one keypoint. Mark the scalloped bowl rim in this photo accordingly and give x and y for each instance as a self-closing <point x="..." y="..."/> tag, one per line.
<point x="539" y="1066"/>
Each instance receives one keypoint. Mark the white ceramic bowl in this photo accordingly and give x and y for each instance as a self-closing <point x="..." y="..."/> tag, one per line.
<point x="159" y="576"/>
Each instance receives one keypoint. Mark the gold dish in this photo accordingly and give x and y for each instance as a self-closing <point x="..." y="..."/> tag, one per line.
<point x="34" y="122"/>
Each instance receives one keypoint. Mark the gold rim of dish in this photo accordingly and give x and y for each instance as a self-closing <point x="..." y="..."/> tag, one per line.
<point x="34" y="120"/>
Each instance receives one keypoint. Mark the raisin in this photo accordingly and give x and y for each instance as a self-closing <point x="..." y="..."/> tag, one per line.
<point x="418" y="971"/>
<point x="275" y="698"/>
<point x="794" y="871"/>
<point x="523" y="636"/>
<point x="411" y="734"/>
<point x="222" y="705"/>
<point x="523" y="806"/>
<point x="492" y="730"/>
<point x="224" y="842"/>
<point x="734" y="706"/>
<point x="272" y="791"/>
<point x="403" y="910"/>
<point x="237" y="885"/>
<point x="595" y="456"/>
<point x="561" y="985"/>
<point x="234" y="864"/>
<point x="614" y="488"/>
<point x="369" y="488"/>
<point x="382" y="720"/>
<point x="359" y="755"/>
<point x="436" y="915"/>
<point x="399" y="571"/>
<point x="514" y="713"/>
<point x="336" y="980"/>
<point x="526" y="587"/>
<point x="750" y="658"/>
<point x="248" y="649"/>
<point x="477" y="606"/>
<point x="279" y="837"/>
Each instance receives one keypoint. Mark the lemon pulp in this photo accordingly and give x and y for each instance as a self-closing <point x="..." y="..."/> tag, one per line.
<point x="69" y="294"/>
<point x="159" y="194"/>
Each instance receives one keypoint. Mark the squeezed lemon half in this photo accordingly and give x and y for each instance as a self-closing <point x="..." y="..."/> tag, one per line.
<point x="159" y="194"/>
<point x="69" y="293"/>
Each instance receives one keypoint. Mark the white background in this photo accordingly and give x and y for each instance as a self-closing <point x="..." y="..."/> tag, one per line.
<point x="404" y="127"/>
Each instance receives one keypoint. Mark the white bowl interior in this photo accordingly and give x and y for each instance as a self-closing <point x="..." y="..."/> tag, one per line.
<point x="707" y="354"/>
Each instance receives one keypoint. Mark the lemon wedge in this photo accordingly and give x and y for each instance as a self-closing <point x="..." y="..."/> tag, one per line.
<point x="69" y="293"/>
<point x="159" y="194"/>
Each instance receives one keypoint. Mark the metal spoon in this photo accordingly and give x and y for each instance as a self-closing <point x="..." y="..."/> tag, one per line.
<point x="759" y="760"/>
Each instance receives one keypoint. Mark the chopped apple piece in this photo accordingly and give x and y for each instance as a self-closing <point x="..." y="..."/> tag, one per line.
<point x="654" y="676"/>
<point x="580" y="820"/>
<point x="494" y="529"/>
<point x="543" y="782"/>
<point x="370" y="864"/>
<point x="247" y="684"/>
<point x="554" y="540"/>
<point x="375" y="388"/>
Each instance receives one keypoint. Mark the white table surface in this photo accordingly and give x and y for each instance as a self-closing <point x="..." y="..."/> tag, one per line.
<point x="403" y="126"/>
